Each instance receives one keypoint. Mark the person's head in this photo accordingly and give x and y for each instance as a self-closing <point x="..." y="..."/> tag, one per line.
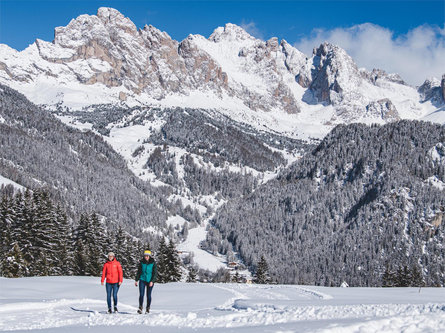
<point x="110" y="256"/>
<point x="147" y="254"/>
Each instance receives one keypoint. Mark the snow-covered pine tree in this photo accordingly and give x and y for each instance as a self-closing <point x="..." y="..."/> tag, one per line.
<point x="417" y="279"/>
<point x="120" y="246"/>
<point x="14" y="265"/>
<point x="403" y="276"/>
<point x="173" y="263"/>
<point x="6" y="217"/>
<point x="129" y="254"/>
<point x="22" y="228"/>
<point x="388" y="278"/>
<point x="80" y="258"/>
<point x="262" y="272"/>
<point x="162" y="262"/>
<point x="45" y="235"/>
<point x="96" y="246"/>
<point x="191" y="277"/>
<point x="64" y="249"/>
<point x="236" y="277"/>
<point x="136" y="254"/>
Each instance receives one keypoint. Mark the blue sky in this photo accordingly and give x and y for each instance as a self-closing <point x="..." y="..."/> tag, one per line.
<point x="299" y="22"/>
<point x="21" y="21"/>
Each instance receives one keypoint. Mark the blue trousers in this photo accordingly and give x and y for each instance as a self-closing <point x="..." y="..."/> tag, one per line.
<point x="112" y="287"/>
<point x="142" y="285"/>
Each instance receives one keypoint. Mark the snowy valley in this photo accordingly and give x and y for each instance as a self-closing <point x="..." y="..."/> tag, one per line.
<point x="232" y="147"/>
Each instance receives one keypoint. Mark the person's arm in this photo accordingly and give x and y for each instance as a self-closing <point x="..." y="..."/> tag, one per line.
<point x="104" y="273"/>
<point x="121" y="274"/>
<point x="138" y="274"/>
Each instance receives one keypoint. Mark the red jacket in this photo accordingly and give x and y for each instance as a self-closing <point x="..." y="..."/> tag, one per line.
<point x="112" y="271"/>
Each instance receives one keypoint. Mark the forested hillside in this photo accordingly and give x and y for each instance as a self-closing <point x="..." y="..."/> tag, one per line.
<point x="78" y="169"/>
<point x="366" y="203"/>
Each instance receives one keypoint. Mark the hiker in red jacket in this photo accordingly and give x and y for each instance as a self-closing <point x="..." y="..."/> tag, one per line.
<point x="112" y="271"/>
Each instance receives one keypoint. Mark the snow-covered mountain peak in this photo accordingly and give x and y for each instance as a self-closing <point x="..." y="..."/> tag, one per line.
<point x="155" y="37"/>
<point x="327" y="48"/>
<point x="433" y="90"/>
<point x="104" y="58"/>
<point x="230" y="32"/>
<point x="106" y="28"/>
<point x="79" y="30"/>
<point x="114" y="18"/>
<point x="333" y="75"/>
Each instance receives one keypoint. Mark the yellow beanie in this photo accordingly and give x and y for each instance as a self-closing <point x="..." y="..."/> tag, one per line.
<point x="147" y="252"/>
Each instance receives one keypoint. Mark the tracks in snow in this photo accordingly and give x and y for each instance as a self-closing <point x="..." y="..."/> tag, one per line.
<point x="243" y="306"/>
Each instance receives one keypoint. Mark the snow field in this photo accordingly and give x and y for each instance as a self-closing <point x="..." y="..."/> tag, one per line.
<point x="201" y="257"/>
<point x="6" y="181"/>
<point x="47" y="303"/>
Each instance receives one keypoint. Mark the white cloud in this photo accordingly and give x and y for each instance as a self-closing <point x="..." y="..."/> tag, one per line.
<point x="252" y="29"/>
<point x="416" y="55"/>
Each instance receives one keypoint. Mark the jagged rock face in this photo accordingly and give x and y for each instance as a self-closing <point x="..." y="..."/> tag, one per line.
<point x="334" y="72"/>
<point x="430" y="90"/>
<point x="108" y="51"/>
<point x="378" y="74"/>
<point x="201" y="68"/>
<point x="383" y="109"/>
<point x="266" y="60"/>
<point x="107" y="48"/>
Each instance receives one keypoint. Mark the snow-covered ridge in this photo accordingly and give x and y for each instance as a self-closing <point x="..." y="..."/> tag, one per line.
<point x="104" y="58"/>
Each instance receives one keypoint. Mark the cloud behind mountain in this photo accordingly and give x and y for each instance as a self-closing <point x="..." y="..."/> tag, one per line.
<point x="415" y="55"/>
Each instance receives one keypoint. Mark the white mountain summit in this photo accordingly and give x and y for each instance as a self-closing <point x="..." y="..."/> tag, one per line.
<point x="104" y="58"/>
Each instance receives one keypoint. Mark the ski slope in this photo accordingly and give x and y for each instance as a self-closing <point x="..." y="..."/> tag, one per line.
<point x="77" y="304"/>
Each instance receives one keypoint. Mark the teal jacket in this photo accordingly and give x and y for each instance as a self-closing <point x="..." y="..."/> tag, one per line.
<point x="146" y="270"/>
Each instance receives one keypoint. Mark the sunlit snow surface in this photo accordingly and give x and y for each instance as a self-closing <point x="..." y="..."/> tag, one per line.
<point x="5" y="181"/>
<point x="46" y="304"/>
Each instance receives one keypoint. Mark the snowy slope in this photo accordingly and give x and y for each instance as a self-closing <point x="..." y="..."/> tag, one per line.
<point x="5" y="181"/>
<point x="77" y="304"/>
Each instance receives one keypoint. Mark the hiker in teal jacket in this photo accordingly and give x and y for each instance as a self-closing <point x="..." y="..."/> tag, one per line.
<point x="146" y="277"/>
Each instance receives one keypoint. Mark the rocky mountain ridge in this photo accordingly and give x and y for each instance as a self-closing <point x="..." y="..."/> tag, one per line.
<point x="105" y="59"/>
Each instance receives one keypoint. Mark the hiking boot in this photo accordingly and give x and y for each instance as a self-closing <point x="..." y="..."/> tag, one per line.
<point x="140" y="310"/>
<point x="109" y="310"/>
<point x="147" y="310"/>
<point x="115" y="309"/>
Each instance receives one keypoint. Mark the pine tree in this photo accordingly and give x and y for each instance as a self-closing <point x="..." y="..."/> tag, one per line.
<point x="64" y="249"/>
<point x="403" y="277"/>
<point x="96" y="246"/>
<point x="191" y="277"/>
<point x="262" y="272"/>
<point x="45" y="235"/>
<point x="162" y="262"/>
<point x="6" y="217"/>
<point x="41" y="266"/>
<point x="236" y="277"/>
<point x="14" y="265"/>
<point x="120" y="246"/>
<point x="388" y="277"/>
<point x="129" y="254"/>
<point x="133" y="257"/>
<point x="173" y="263"/>
<point x="80" y="258"/>
<point x="417" y="277"/>
<point x="22" y="228"/>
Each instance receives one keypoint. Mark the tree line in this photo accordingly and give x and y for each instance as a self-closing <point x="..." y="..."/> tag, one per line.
<point x="38" y="239"/>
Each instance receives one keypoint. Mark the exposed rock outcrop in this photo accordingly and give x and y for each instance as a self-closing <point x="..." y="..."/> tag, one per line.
<point x="383" y="109"/>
